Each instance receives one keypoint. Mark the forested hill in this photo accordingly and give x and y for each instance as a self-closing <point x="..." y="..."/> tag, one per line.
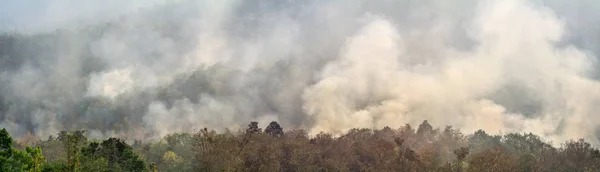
<point x="274" y="149"/>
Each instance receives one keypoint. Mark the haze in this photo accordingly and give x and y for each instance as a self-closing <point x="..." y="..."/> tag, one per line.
<point x="142" y="69"/>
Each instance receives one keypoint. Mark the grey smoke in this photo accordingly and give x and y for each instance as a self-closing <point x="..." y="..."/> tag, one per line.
<point x="178" y="66"/>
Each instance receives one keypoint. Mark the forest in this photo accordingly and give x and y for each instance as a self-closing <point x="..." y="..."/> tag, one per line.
<point x="274" y="149"/>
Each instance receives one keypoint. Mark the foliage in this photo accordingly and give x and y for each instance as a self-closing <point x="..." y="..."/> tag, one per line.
<point x="274" y="129"/>
<point x="387" y="149"/>
<point x="116" y="153"/>
<point x="15" y="160"/>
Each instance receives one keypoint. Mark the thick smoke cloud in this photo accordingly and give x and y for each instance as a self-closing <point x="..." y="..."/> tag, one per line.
<point x="178" y="66"/>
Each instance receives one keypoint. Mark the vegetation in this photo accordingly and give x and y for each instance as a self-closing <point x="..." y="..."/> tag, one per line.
<point x="403" y="149"/>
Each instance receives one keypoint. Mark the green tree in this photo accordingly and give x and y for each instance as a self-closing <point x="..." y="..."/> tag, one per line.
<point x="72" y="144"/>
<point x="15" y="160"/>
<point x="37" y="159"/>
<point x="116" y="154"/>
<point x="5" y="144"/>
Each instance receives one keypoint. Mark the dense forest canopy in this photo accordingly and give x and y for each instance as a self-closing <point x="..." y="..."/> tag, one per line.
<point x="171" y="85"/>
<point x="407" y="148"/>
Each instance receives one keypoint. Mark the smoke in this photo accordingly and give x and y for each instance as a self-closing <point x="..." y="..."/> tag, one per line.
<point x="178" y="66"/>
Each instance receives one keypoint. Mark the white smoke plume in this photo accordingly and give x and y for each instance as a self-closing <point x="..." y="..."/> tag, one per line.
<point x="178" y="66"/>
<point x="373" y="84"/>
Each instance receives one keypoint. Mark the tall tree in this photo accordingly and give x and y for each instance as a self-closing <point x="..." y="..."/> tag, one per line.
<point x="425" y="131"/>
<point x="118" y="154"/>
<point x="15" y="160"/>
<point x="274" y="129"/>
<point x="72" y="143"/>
<point x="5" y="143"/>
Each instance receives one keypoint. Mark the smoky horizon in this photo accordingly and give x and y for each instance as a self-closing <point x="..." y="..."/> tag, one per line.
<point x="144" y="69"/>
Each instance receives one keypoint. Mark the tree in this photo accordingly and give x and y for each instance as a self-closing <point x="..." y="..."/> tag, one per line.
<point x="480" y="141"/>
<point x="15" y="160"/>
<point x="579" y="156"/>
<point x="173" y="162"/>
<point x="530" y="150"/>
<point x="216" y="152"/>
<point x="117" y="153"/>
<point x="72" y="144"/>
<point x="5" y="143"/>
<point x="497" y="159"/>
<point x="54" y="151"/>
<point x="461" y="154"/>
<point x="274" y="129"/>
<point x="37" y="159"/>
<point x="253" y="128"/>
<point x="425" y="131"/>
